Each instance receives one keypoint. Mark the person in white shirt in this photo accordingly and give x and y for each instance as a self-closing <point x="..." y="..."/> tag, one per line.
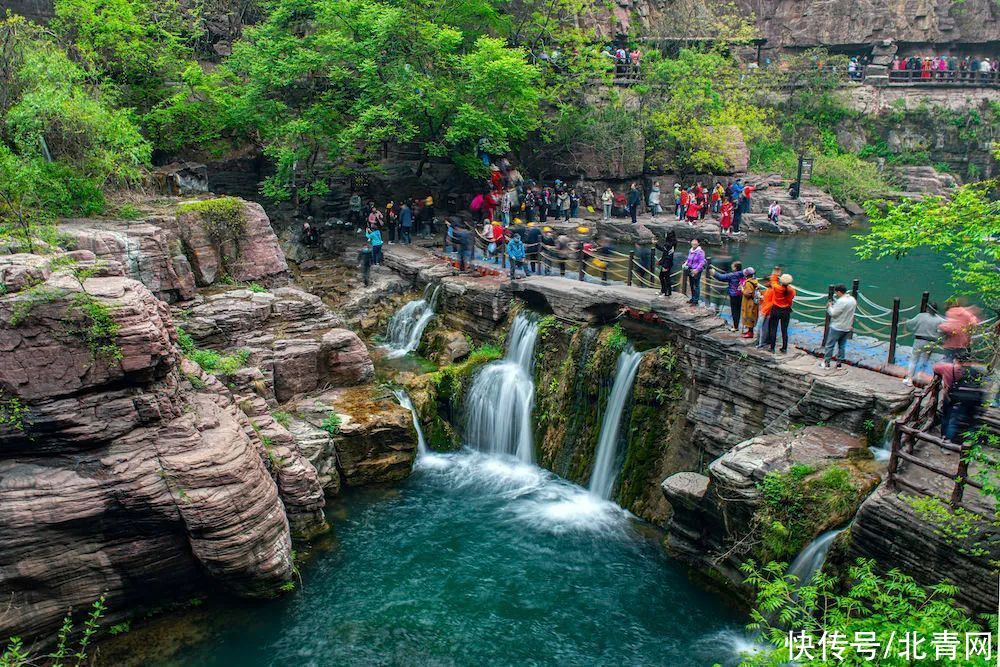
<point x="841" y="312"/>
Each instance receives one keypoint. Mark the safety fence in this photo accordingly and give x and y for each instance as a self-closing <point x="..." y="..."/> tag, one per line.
<point x="915" y="428"/>
<point x="881" y="326"/>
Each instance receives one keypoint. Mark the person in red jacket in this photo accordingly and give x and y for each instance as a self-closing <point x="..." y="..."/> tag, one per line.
<point x="489" y="206"/>
<point x="726" y="221"/>
<point x="692" y="210"/>
<point x="682" y="210"/>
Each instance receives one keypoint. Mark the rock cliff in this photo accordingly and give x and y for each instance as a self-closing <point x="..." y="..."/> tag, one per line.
<point x="123" y="470"/>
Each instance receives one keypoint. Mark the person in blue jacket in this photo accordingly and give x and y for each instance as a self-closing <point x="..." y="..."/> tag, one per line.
<point x="734" y="288"/>
<point x="405" y="223"/>
<point x="374" y="237"/>
<point x="515" y="252"/>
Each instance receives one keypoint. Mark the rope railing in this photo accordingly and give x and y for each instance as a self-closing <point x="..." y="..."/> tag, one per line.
<point x="608" y="265"/>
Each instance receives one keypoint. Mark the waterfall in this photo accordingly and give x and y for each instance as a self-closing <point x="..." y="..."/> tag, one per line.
<point x="408" y="324"/>
<point x="810" y="560"/>
<point x="404" y="400"/>
<point x="602" y="480"/>
<point x="498" y="406"/>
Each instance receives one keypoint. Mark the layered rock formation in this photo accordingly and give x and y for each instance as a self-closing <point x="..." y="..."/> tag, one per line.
<point x="722" y="519"/>
<point x="122" y="471"/>
<point x="296" y="342"/>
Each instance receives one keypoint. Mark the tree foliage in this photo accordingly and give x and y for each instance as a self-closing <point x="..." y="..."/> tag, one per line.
<point x="889" y="605"/>
<point x="325" y="85"/>
<point x="692" y="105"/>
<point x="964" y="228"/>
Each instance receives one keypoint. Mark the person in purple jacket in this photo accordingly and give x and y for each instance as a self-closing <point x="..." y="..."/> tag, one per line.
<point x="694" y="265"/>
<point x="734" y="280"/>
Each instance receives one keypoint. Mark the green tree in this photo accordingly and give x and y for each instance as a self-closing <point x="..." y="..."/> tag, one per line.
<point x="324" y="86"/>
<point x="963" y="228"/>
<point x="691" y="105"/>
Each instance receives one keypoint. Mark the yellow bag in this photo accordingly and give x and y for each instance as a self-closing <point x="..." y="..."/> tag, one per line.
<point x="590" y="208"/>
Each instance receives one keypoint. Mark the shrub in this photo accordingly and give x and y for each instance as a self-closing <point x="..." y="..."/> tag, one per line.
<point x="213" y="362"/>
<point x="282" y="418"/>
<point x="331" y="423"/>
<point x="256" y="288"/>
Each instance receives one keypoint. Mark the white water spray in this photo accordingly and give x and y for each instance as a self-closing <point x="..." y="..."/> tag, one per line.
<point x="404" y="400"/>
<point x="408" y="324"/>
<point x="498" y="406"/>
<point x="602" y="480"/>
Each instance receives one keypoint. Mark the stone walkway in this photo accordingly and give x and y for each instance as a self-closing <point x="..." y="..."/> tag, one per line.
<point x="579" y="301"/>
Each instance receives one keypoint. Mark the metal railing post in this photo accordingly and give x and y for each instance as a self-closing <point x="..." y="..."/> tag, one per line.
<point x="894" y="330"/>
<point x="826" y="316"/>
<point x="631" y="262"/>
<point x="894" y="455"/>
<point x="580" y="260"/>
<point x="854" y="287"/>
<point x="924" y="298"/>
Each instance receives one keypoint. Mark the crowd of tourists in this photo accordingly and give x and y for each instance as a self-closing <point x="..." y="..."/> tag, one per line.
<point x="950" y="68"/>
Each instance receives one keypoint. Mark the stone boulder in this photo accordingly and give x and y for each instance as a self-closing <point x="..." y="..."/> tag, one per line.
<point x="374" y="441"/>
<point x="150" y="253"/>
<point x="717" y="521"/>
<point x="924" y="180"/>
<point x="181" y="178"/>
<point x="254" y="255"/>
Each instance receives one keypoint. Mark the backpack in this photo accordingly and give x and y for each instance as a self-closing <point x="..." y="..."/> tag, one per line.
<point x="969" y="389"/>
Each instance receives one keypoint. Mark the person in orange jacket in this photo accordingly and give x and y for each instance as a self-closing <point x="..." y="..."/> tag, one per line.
<point x="766" y="303"/>
<point x="781" y="311"/>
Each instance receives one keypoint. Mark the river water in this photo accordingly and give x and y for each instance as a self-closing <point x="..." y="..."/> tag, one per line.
<point x="474" y="560"/>
<point x="825" y="258"/>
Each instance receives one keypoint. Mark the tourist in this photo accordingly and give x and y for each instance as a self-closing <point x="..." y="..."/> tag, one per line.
<point x="489" y="205"/>
<point x="717" y="193"/>
<point x="505" y="204"/>
<point x="734" y="288"/>
<point x="766" y="304"/>
<point x="574" y="204"/>
<point x="607" y="201"/>
<point x="544" y="205"/>
<point x="654" y="200"/>
<point x="465" y="244"/>
<point x="682" y="204"/>
<point x="562" y="252"/>
<point x="726" y="218"/>
<point x="309" y="234"/>
<point x="841" y="311"/>
<point x="634" y="199"/>
<point x="692" y="208"/>
<point x="533" y="246"/>
<point x="406" y="223"/>
<point x="375" y="218"/>
<point x="774" y="212"/>
<point x="500" y="234"/>
<point x="530" y="205"/>
<point x="427" y="215"/>
<point x="694" y="266"/>
<point x="677" y="201"/>
<point x="391" y="222"/>
<point x="925" y="328"/>
<point x="354" y="216"/>
<point x="516" y="254"/>
<point x="666" y="262"/>
<point x="750" y="291"/>
<point x="781" y="311"/>
<point x="960" y="321"/>
<point x="963" y="388"/>
<point x="562" y="205"/>
<point x="374" y="237"/>
<point x="365" y="263"/>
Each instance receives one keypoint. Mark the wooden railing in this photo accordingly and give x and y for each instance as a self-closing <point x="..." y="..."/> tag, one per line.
<point x="914" y="427"/>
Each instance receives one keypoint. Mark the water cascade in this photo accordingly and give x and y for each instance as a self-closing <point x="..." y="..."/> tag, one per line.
<point x="602" y="480"/>
<point x="408" y="324"/>
<point x="810" y="560"/>
<point x="498" y="406"/>
<point x="404" y="400"/>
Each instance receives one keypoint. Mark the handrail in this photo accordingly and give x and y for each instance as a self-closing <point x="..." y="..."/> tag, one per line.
<point x="610" y="265"/>
<point x="913" y="426"/>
